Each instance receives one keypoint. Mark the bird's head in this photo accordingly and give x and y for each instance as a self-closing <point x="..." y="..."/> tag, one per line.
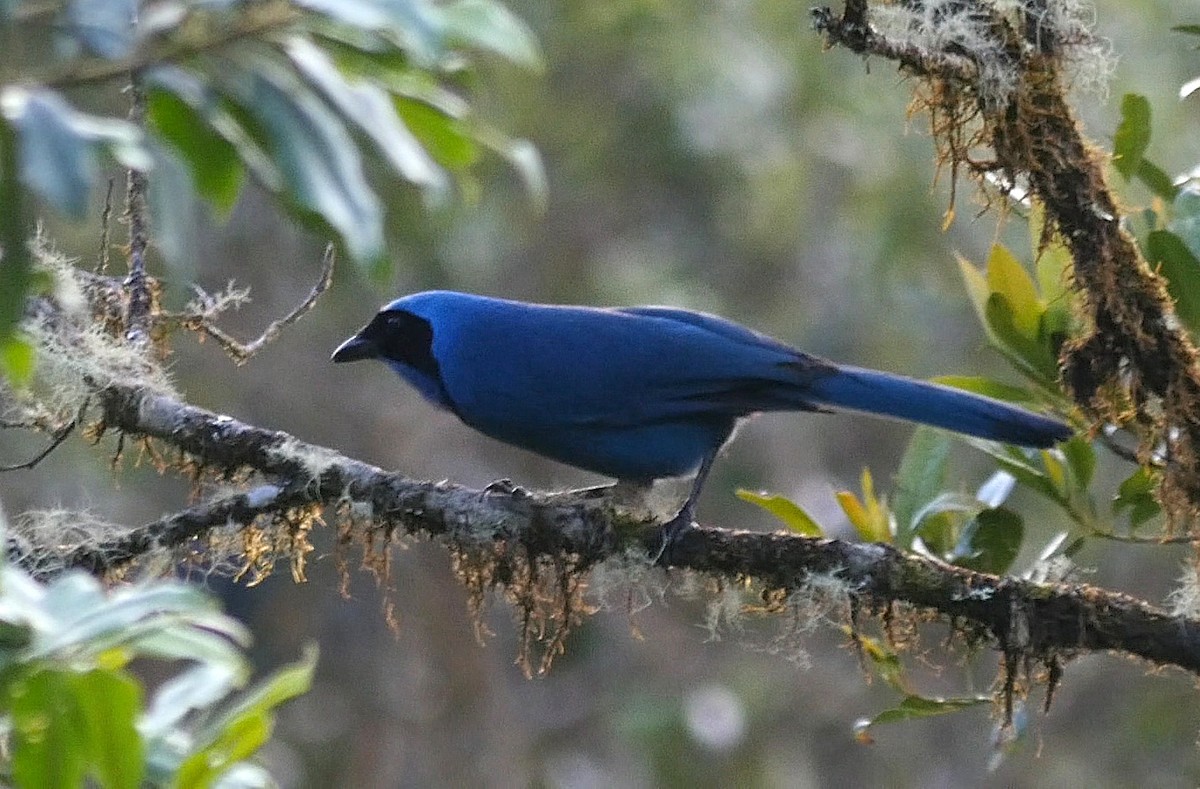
<point x="401" y="335"/>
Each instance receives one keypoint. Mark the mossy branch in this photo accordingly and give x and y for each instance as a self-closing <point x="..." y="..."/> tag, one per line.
<point x="1036" y="621"/>
<point x="1133" y="349"/>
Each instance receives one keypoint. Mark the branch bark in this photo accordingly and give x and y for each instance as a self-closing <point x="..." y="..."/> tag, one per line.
<point x="1035" y="620"/>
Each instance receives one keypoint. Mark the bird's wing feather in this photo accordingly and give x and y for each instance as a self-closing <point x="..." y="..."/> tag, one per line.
<point x="509" y="363"/>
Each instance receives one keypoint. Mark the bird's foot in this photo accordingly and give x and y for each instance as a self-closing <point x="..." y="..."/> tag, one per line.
<point x="670" y="534"/>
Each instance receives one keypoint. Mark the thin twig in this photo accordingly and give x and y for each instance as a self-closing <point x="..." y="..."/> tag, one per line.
<point x="138" y="286"/>
<point x="242" y="352"/>
<point x="105" y="219"/>
<point x="56" y="440"/>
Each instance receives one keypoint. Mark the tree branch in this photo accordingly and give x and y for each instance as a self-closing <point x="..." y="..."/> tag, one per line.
<point x="1035" y="620"/>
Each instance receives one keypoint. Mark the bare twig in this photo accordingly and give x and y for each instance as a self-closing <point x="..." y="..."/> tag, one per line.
<point x="140" y="309"/>
<point x="243" y="352"/>
<point x="105" y="220"/>
<point x="59" y="436"/>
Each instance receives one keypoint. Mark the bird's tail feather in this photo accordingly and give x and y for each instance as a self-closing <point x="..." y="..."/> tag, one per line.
<point x="880" y="393"/>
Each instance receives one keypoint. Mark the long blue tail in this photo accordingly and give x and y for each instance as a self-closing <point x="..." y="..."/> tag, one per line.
<point x="933" y="404"/>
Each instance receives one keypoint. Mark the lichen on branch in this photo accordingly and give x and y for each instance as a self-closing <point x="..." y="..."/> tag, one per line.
<point x="995" y="77"/>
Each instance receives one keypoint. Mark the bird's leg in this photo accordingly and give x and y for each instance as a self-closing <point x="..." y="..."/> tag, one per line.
<point x="675" y="528"/>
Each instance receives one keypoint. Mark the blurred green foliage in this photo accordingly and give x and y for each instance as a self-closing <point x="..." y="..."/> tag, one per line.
<point x="74" y="713"/>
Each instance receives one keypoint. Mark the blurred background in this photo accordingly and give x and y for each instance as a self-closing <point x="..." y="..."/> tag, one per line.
<point x="700" y="154"/>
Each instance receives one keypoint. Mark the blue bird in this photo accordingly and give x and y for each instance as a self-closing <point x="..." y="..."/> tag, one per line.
<point x="641" y="393"/>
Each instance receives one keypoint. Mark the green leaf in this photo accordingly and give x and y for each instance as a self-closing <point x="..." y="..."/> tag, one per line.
<point x="990" y="543"/>
<point x="491" y="26"/>
<point x="415" y="24"/>
<point x="212" y="160"/>
<point x="1007" y="277"/>
<point x="883" y="659"/>
<point x="1015" y="462"/>
<point x="1133" y="134"/>
<point x="1052" y="261"/>
<point x="977" y="288"/>
<point x="792" y="514"/>
<point x="57" y="146"/>
<point x="921" y="475"/>
<point x="109" y="702"/>
<point x="1025" y="348"/>
<point x="316" y="157"/>
<point x="240" y="739"/>
<point x="49" y="735"/>
<point x="989" y="387"/>
<point x="1081" y="458"/>
<point x="914" y="707"/>
<point x="1136" y="494"/>
<point x="201" y="686"/>
<point x="442" y="135"/>
<point x="1157" y="179"/>
<point x="17" y="359"/>
<point x="244" y="728"/>
<point x="1193" y="30"/>
<point x="370" y="108"/>
<point x="1182" y="271"/>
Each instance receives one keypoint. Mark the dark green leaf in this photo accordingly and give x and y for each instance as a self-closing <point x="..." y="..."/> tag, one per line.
<point x="371" y="109"/>
<point x="1193" y="30"/>
<point x="104" y="27"/>
<point x="1157" y="179"/>
<point x="939" y="531"/>
<point x="15" y="261"/>
<point x="992" y="541"/>
<point x="109" y="702"/>
<point x="212" y="160"/>
<point x="1081" y="458"/>
<point x="791" y="514"/>
<point x="921" y="475"/>
<point x="1136" y="494"/>
<point x="1182" y="272"/>
<point x="49" y="735"/>
<point x="1133" y="134"/>
<point x="318" y="160"/>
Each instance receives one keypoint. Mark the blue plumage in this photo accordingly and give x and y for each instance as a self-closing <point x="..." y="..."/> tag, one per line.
<point x="640" y="393"/>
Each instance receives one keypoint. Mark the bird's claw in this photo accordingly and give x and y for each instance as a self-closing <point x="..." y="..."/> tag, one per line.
<point x="671" y="533"/>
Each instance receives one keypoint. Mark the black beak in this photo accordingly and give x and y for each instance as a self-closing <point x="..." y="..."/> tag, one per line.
<point x="356" y="349"/>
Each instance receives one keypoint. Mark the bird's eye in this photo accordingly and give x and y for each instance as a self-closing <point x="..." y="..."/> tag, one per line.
<point x="408" y="338"/>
